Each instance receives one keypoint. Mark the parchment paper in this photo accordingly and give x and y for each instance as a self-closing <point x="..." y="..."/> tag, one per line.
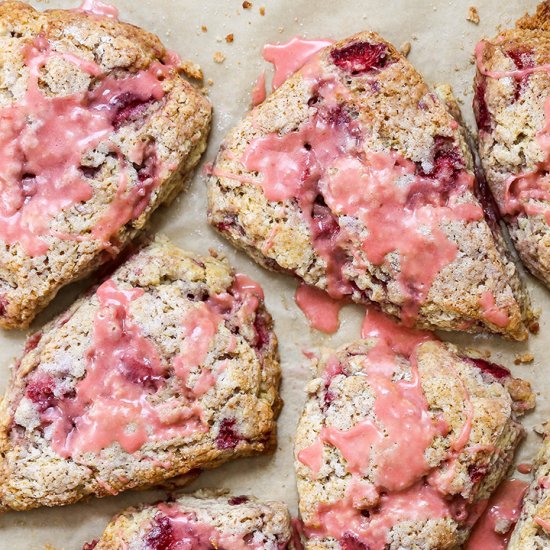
<point x="442" y="44"/>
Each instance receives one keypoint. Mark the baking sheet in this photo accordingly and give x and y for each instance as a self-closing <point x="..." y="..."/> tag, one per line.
<point x="442" y="45"/>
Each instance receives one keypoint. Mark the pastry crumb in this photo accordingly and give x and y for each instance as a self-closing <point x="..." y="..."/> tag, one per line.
<point x="541" y="429"/>
<point x="247" y="5"/>
<point x="204" y="28"/>
<point x="229" y="38"/>
<point x="192" y="70"/>
<point x="522" y="358"/>
<point x="473" y="15"/>
<point x="405" y="48"/>
<point x="210" y="82"/>
<point x="219" y="57"/>
<point x="262" y="10"/>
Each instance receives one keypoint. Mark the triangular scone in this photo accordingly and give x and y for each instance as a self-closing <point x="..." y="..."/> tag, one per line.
<point x="203" y="520"/>
<point x="532" y="531"/>
<point x="401" y="442"/>
<point x="98" y="130"/>
<point x="354" y="176"/>
<point x="512" y="106"/>
<point x="170" y="366"/>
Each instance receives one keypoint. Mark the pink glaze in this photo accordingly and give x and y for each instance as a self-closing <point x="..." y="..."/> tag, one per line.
<point x="516" y="73"/>
<point x="527" y="193"/>
<point x="401" y="409"/>
<point x="187" y="533"/>
<point x="524" y="468"/>
<point x="342" y="520"/>
<point x="391" y="334"/>
<point x="289" y="57"/>
<point x="320" y="309"/>
<point x="200" y="325"/>
<point x="545" y="524"/>
<point x="258" y="92"/>
<point x="402" y="210"/>
<point x="312" y="456"/>
<point x="501" y="513"/>
<point x="111" y="402"/>
<point x="523" y="189"/>
<point x="41" y="175"/>
<point x="491" y="311"/>
<point x="95" y="7"/>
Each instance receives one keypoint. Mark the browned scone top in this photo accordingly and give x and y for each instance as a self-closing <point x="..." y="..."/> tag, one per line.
<point x="512" y="90"/>
<point x="169" y="367"/>
<point x="206" y="519"/>
<point x="354" y="176"/>
<point x="99" y="129"/>
<point x="532" y="531"/>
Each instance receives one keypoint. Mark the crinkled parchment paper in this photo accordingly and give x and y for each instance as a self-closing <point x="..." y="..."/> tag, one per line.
<point x="442" y="43"/>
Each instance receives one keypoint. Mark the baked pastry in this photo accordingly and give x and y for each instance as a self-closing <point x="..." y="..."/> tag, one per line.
<point x="532" y="531"/>
<point x="201" y="521"/>
<point x="401" y="439"/>
<point x="512" y="88"/>
<point x="99" y="129"/>
<point x="354" y="176"/>
<point x="168" y="367"/>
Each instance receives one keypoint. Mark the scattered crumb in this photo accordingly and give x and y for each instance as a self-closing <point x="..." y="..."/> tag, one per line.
<point x="229" y="38"/>
<point x="534" y="327"/>
<point x="204" y="28"/>
<point x="405" y="48"/>
<point x="192" y="70"/>
<point x="523" y="358"/>
<point x="281" y="29"/>
<point x="210" y="82"/>
<point x="262" y="10"/>
<point x="479" y="353"/>
<point x="219" y="57"/>
<point x="473" y="16"/>
<point x="541" y="429"/>
<point x="247" y="5"/>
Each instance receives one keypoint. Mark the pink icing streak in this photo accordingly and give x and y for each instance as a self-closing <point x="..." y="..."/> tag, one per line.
<point x="491" y="311"/>
<point x="320" y="309"/>
<point x="492" y="530"/>
<point x="289" y="57"/>
<point x="545" y="524"/>
<point x="324" y="167"/>
<point x="111" y="402"/>
<point x="344" y="522"/>
<point x="258" y="92"/>
<point x="43" y="140"/>
<point x="175" y="529"/>
<point x="200" y="324"/>
<point x="95" y="7"/>
<point x="516" y="73"/>
<point x="527" y="193"/>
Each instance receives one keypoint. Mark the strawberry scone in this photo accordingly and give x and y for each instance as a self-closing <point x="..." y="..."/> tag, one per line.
<point x="532" y="531"/>
<point x="169" y="367"/>
<point x="99" y="128"/>
<point x="402" y="440"/>
<point x="512" y="106"/>
<point x="203" y="521"/>
<point x="354" y="176"/>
